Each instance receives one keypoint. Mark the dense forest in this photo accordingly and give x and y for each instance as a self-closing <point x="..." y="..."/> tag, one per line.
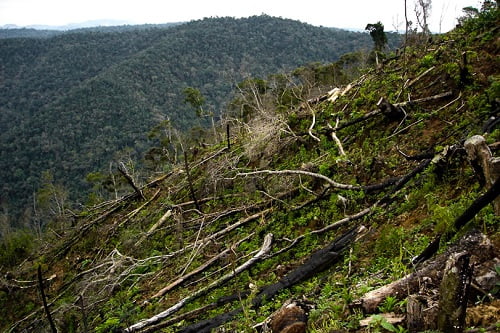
<point x="360" y="196"/>
<point x="73" y="102"/>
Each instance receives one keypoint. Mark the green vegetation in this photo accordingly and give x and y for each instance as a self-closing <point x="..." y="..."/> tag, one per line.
<point x="306" y="164"/>
<point x="81" y="101"/>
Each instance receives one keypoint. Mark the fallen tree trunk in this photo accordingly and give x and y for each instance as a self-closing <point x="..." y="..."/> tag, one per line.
<point x="475" y="243"/>
<point x="466" y="216"/>
<point x="317" y="262"/>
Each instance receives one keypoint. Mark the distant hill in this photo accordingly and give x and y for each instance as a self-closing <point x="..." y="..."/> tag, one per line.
<point x="70" y="101"/>
<point x="43" y="31"/>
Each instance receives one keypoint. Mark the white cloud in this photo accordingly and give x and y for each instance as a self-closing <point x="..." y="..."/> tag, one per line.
<point x="343" y="13"/>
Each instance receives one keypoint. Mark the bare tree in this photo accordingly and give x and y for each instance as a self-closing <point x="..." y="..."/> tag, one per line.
<point x="423" y="11"/>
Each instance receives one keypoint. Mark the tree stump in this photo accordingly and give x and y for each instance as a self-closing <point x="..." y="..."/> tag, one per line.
<point x="484" y="164"/>
<point x="453" y="291"/>
<point x="414" y="315"/>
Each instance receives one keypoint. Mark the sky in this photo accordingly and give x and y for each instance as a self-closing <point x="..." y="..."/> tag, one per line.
<point x="351" y="14"/>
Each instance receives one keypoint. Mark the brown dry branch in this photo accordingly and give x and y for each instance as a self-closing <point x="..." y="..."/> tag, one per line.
<point x="364" y="117"/>
<point x="217" y="153"/>
<point x="44" y="300"/>
<point x="266" y="247"/>
<point x="158" y="180"/>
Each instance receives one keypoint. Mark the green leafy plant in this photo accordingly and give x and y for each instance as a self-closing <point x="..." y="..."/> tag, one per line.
<point x="388" y="304"/>
<point x="379" y="324"/>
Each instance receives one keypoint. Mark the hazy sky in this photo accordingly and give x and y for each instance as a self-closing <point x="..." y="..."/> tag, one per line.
<point x="331" y="13"/>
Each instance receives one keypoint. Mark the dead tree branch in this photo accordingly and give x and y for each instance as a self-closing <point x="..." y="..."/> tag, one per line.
<point x="301" y="172"/>
<point x="137" y="210"/>
<point x="313" y="122"/>
<point x="331" y="182"/>
<point x="426" y="99"/>
<point x="154" y="227"/>
<point x="412" y="82"/>
<point x="44" y="300"/>
<point x="335" y="138"/>
<point x="123" y="170"/>
<point x="266" y="247"/>
<point x="199" y="269"/>
<point x="316" y="263"/>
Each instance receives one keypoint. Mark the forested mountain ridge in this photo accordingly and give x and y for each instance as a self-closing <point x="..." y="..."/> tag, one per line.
<point x="92" y="26"/>
<point x="69" y="102"/>
<point x="371" y="207"/>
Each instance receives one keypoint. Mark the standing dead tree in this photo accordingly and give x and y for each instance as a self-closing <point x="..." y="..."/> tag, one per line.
<point x="190" y="182"/>
<point x="423" y="12"/>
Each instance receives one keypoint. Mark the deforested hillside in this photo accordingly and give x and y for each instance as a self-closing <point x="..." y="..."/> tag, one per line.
<point x="75" y="102"/>
<point x="366" y="206"/>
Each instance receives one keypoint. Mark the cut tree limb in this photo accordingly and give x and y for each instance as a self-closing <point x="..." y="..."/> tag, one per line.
<point x="199" y="269"/>
<point x="320" y="176"/>
<point x="412" y="82"/>
<point x="196" y="312"/>
<point x="266" y="247"/>
<point x="426" y="99"/>
<point x="137" y="210"/>
<point x="123" y="170"/>
<point x="316" y="263"/>
<point x="154" y="227"/>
